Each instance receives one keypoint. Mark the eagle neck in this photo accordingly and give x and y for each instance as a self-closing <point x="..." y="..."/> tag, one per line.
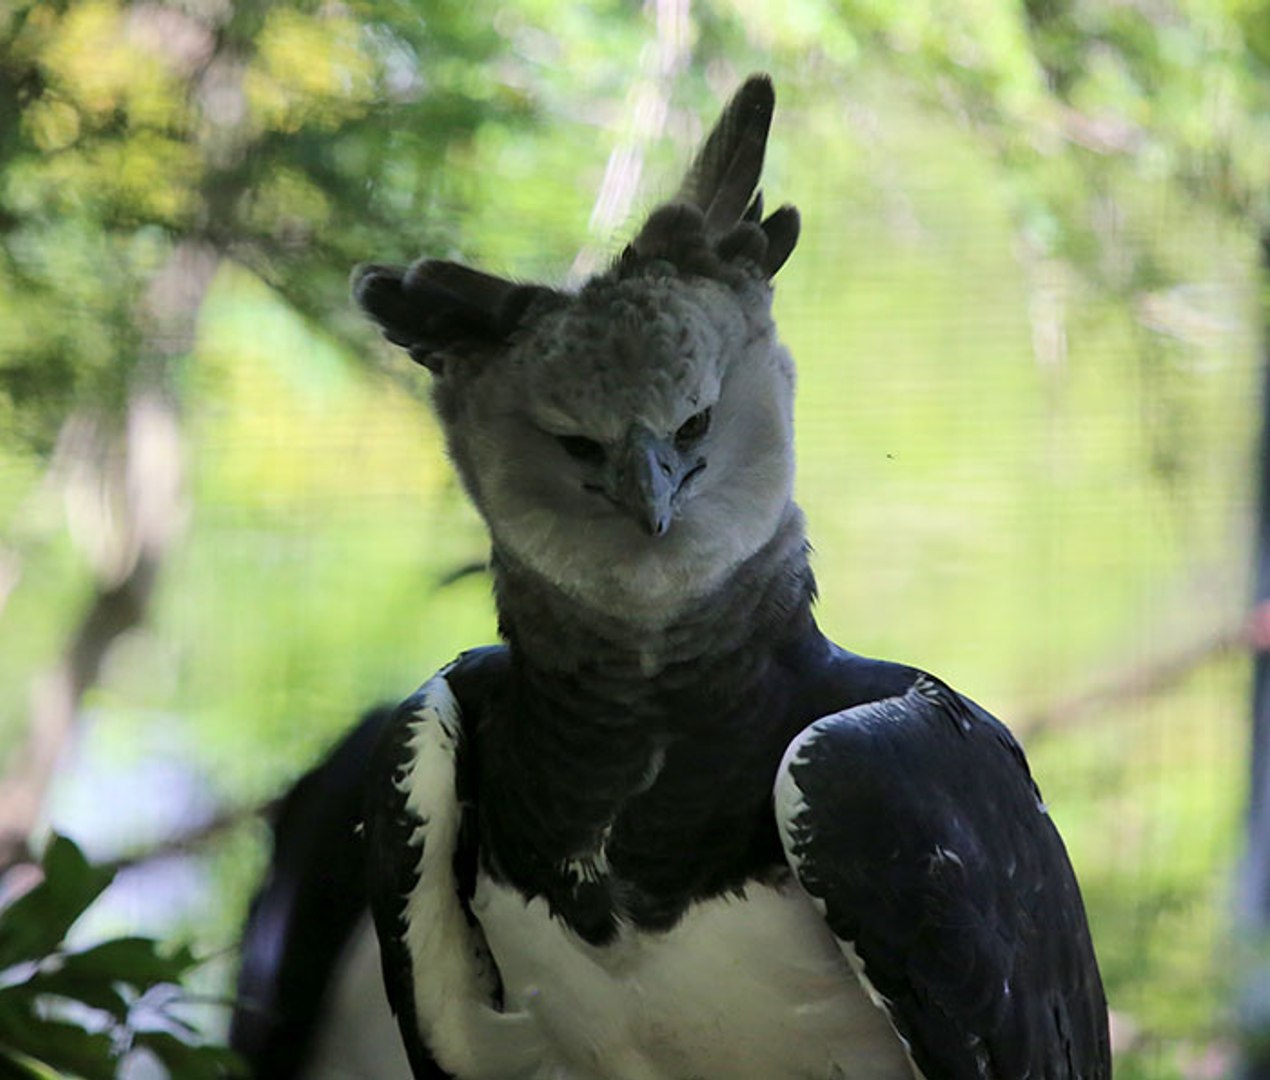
<point x="608" y="727"/>
<point x="561" y="647"/>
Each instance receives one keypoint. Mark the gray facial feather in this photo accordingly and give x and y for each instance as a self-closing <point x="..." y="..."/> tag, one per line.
<point x="678" y="326"/>
<point x="669" y="350"/>
<point x="631" y="350"/>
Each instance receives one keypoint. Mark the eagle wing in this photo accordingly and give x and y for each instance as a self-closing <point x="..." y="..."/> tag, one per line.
<point x="914" y="825"/>
<point x="305" y="917"/>
<point x="441" y="981"/>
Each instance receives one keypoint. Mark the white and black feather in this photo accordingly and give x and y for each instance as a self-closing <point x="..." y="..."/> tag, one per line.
<point x="441" y="981"/>
<point x="914" y="824"/>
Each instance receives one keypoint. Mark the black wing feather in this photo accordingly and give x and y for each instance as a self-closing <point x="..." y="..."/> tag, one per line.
<point x="306" y="911"/>
<point x="916" y="823"/>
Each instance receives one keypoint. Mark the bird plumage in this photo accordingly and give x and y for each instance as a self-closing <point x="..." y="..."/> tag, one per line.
<point x="914" y="823"/>
<point x="668" y="829"/>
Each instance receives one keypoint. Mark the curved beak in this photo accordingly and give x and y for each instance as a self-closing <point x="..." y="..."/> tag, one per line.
<point x="649" y="472"/>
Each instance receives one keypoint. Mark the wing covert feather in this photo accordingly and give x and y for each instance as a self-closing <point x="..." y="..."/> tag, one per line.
<point x="914" y="823"/>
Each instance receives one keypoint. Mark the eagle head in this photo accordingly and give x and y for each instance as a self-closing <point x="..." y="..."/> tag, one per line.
<point x="630" y="441"/>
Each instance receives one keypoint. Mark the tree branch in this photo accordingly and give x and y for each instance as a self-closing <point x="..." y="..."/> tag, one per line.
<point x="1154" y="677"/>
<point x="193" y="840"/>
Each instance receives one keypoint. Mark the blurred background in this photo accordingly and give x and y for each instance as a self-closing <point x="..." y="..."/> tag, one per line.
<point x="1027" y="311"/>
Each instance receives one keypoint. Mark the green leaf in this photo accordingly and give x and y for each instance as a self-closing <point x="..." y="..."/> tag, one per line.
<point x="191" y="1062"/>
<point x="15" y="1066"/>
<point x="96" y="994"/>
<point x="93" y="977"/>
<point x="132" y="960"/>
<point x="61" y="1044"/>
<point x="36" y="923"/>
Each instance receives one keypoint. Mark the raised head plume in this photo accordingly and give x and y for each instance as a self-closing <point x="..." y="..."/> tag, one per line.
<point x="725" y="173"/>
<point x="718" y="210"/>
<point x="714" y="227"/>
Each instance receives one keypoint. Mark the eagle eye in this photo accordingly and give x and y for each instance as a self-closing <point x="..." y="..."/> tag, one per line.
<point x="580" y="448"/>
<point x="692" y="429"/>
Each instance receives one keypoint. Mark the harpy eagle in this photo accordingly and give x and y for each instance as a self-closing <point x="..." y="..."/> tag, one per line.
<point x="668" y="830"/>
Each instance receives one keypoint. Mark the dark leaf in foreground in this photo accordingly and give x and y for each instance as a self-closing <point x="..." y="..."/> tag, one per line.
<point x="35" y="924"/>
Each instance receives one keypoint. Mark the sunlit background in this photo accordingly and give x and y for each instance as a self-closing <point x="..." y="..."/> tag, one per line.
<point x="1025" y="309"/>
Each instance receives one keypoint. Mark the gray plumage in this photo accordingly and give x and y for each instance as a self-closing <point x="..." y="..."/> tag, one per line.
<point x="679" y="325"/>
<point x="555" y="824"/>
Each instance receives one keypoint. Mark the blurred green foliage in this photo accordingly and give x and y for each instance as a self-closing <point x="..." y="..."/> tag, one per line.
<point x="1024" y="309"/>
<point x="80" y="1012"/>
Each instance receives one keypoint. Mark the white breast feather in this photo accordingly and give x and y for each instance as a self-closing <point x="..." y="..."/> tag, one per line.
<point x="452" y="991"/>
<point x="748" y="989"/>
<point x="743" y="989"/>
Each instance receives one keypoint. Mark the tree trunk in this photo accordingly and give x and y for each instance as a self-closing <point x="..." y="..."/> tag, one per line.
<point x="126" y="544"/>
<point x="1254" y="1002"/>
